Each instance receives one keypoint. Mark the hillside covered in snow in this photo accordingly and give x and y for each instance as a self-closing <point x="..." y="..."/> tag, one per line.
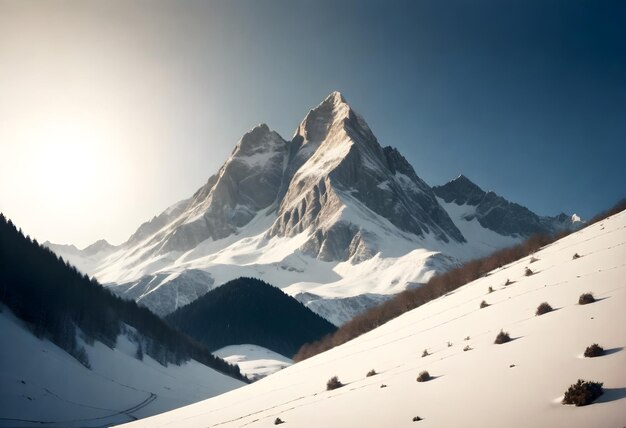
<point x="74" y="355"/>
<point x="472" y="381"/>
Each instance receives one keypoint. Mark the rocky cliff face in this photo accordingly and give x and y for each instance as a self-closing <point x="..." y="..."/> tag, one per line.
<point x="499" y="215"/>
<point x="338" y="163"/>
<point x="248" y="182"/>
<point x="332" y="168"/>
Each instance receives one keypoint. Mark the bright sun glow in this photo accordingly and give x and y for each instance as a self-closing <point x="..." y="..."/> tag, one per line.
<point x="67" y="158"/>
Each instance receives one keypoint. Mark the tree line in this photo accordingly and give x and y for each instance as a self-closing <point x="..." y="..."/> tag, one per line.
<point x="57" y="302"/>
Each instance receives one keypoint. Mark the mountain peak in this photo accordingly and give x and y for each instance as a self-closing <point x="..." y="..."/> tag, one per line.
<point x="335" y="97"/>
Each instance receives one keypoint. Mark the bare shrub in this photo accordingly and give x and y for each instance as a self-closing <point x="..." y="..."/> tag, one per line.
<point x="502" y="337"/>
<point x="543" y="308"/>
<point x="449" y="344"/>
<point x="467" y="348"/>
<point x="508" y="282"/>
<point x="594" y="350"/>
<point x="278" y="421"/>
<point x="423" y="377"/>
<point x="528" y="272"/>
<point x="533" y="259"/>
<point x="583" y="393"/>
<point x="371" y="373"/>
<point x="333" y="383"/>
<point x="416" y="419"/>
<point x="586" y="298"/>
<point x="490" y="289"/>
<point x="425" y="353"/>
<point x="483" y="304"/>
<point x="575" y="256"/>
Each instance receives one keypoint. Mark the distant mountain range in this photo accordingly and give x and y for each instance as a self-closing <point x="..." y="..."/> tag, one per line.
<point x="330" y="216"/>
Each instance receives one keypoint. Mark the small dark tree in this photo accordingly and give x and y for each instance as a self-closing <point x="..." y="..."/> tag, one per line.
<point x="528" y="272"/>
<point x="371" y="373"/>
<point x="467" y="348"/>
<point x="416" y="419"/>
<point x="483" y="304"/>
<point x="575" y="256"/>
<point x="333" y="383"/>
<point x="508" y="282"/>
<point x="490" y="290"/>
<point x="425" y="353"/>
<point x="583" y="393"/>
<point x="278" y="421"/>
<point x="543" y="308"/>
<point x="533" y="259"/>
<point x="594" y="350"/>
<point x="502" y="337"/>
<point x="586" y="298"/>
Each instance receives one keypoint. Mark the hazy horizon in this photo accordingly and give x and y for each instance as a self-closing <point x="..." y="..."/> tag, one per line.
<point x="114" y="110"/>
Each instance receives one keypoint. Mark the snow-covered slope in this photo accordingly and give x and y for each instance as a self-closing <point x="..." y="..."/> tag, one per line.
<point x="333" y="217"/>
<point x="255" y="362"/>
<point x="516" y="384"/>
<point x="40" y="384"/>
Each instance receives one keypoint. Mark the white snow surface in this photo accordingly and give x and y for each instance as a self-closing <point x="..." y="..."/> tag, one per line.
<point x="517" y="384"/>
<point x="254" y="361"/>
<point x="40" y="384"/>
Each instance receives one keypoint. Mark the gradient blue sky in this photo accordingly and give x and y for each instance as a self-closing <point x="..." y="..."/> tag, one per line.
<point x="526" y="98"/>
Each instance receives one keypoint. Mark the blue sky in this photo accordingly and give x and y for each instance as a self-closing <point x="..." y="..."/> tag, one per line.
<point x="526" y="98"/>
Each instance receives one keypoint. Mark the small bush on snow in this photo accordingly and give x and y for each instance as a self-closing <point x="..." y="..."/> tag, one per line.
<point x="594" y="350"/>
<point x="278" y="421"/>
<point x="528" y="272"/>
<point x="371" y="373"/>
<point x="544" y="308"/>
<point x="483" y="304"/>
<point x="502" y="337"/>
<point x="423" y="377"/>
<point x="333" y="383"/>
<point x="586" y="298"/>
<point x="583" y="393"/>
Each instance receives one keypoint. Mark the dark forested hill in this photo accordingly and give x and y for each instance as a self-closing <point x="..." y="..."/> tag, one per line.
<point x="248" y="310"/>
<point x="55" y="300"/>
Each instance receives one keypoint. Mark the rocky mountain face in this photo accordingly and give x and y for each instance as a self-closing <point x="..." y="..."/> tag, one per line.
<point x="331" y="217"/>
<point x="338" y="162"/>
<point x="495" y="213"/>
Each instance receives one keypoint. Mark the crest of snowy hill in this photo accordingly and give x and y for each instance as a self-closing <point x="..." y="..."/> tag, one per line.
<point x="332" y="217"/>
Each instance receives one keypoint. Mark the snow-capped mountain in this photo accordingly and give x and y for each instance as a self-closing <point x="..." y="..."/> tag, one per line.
<point x="471" y="380"/>
<point x="331" y="216"/>
<point x="495" y="213"/>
